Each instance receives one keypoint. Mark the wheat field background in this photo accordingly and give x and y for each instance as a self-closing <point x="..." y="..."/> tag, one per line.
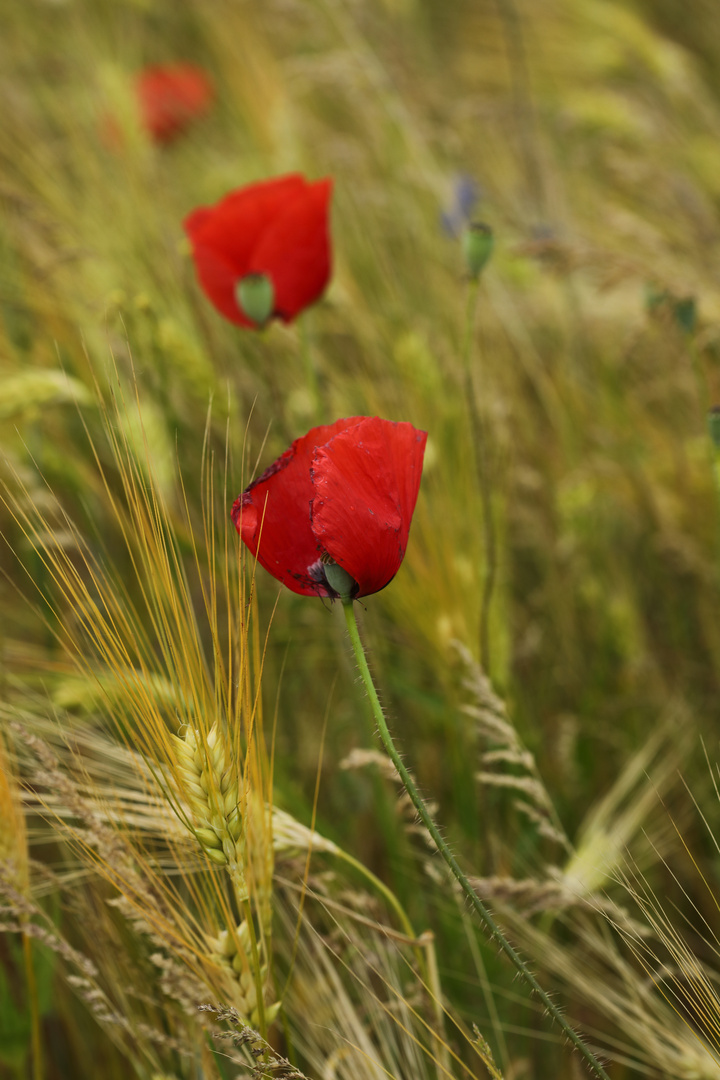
<point x="549" y="653"/>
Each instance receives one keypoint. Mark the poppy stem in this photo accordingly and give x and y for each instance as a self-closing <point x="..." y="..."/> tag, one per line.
<point x="482" y="467"/>
<point x="476" y="903"/>
<point x="311" y="377"/>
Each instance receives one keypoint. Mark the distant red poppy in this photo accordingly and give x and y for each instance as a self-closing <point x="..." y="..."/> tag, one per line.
<point x="344" y="493"/>
<point x="171" y="96"/>
<point x="272" y="235"/>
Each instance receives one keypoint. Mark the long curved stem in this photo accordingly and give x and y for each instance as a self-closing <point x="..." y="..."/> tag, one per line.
<point x="474" y="900"/>
<point x="311" y="376"/>
<point x="482" y="467"/>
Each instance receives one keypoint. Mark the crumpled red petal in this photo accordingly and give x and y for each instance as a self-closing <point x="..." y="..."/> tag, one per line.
<point x="273" y="514"/>
<point x="366" y="481"/>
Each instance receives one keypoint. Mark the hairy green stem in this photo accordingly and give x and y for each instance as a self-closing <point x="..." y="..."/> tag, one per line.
<point x="475" y="902"/>
<point x="480" y="456"/>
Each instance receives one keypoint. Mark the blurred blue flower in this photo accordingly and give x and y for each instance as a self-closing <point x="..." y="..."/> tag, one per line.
<point x="465" y="194"/>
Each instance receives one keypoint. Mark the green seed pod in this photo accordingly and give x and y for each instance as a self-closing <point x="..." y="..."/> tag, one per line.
<point x="477" y="245"/>
<point x="255" y="296"/>
<point x="340" y="581"/>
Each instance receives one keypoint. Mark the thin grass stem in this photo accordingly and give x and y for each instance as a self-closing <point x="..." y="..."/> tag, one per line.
<point x="382" y="888"/>
<point x="423" y="954"/>
<point x="35" y="1041"/>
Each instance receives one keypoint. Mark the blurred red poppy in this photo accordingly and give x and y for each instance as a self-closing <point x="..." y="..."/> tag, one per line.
<point x="344" y="493"/>
<point x="272" y="236"/>
<point x="171" y="96"/>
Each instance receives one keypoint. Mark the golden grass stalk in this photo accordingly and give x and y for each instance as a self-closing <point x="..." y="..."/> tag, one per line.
<point x="14" y="875"/>
<point x="134" y="637"/>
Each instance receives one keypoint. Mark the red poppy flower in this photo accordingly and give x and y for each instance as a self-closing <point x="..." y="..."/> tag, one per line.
<point x="273" y="233"/>
<point x="171" y="96"/>
<point x="344" y="493"/>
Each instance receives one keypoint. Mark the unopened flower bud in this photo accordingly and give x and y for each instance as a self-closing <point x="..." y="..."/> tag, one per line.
<point x="256" y="297"/>
<point x="477" y="245"/>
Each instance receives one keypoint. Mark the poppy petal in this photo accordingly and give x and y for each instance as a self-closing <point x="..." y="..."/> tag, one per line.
<point x="294" y="250"/>
<point x="273" y="514"/>
<point x="223" y="237"/>
<point x="218" y="279"/>
<point x="234" y="225"/>
<point x="366" y="481"/>
<point x="170" y="97"/>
